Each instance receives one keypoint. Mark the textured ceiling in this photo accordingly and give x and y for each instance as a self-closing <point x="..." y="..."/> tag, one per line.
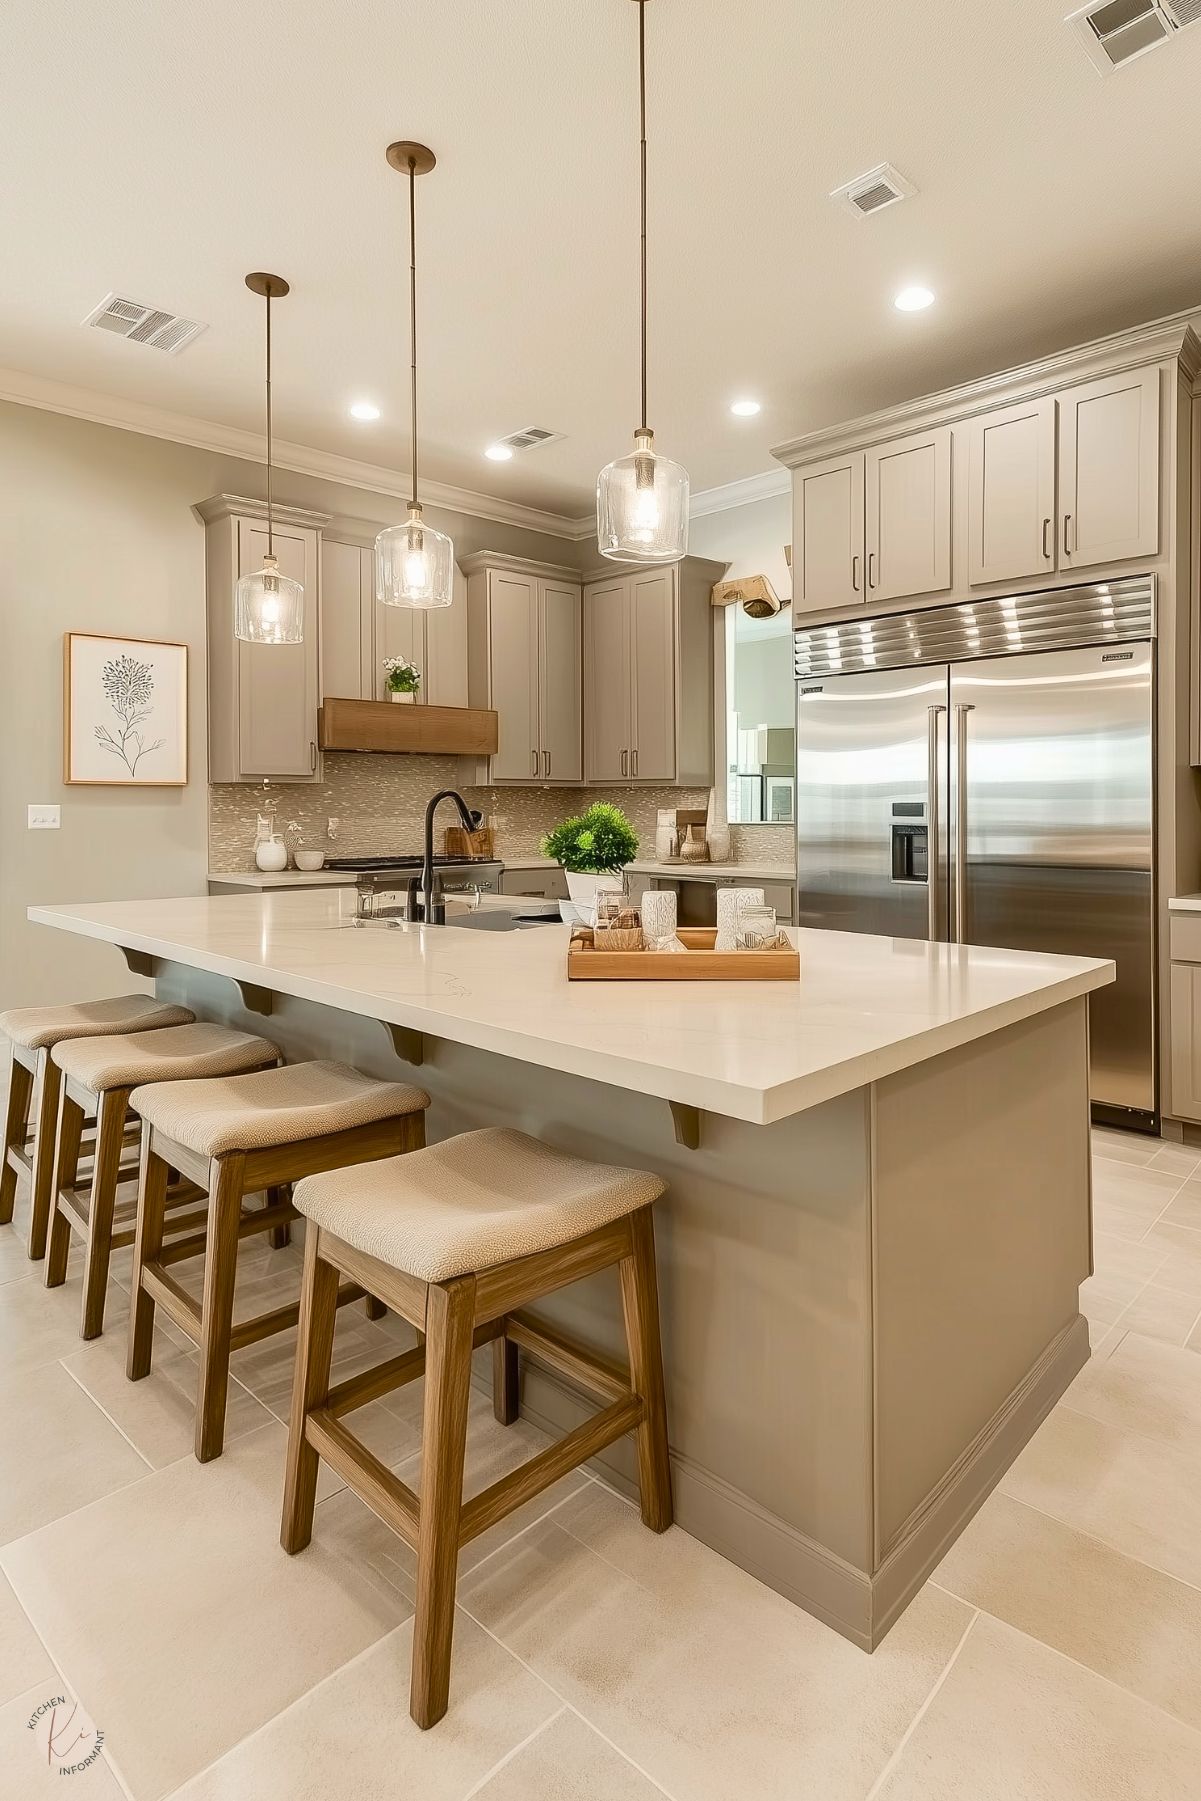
<point x="162" y="149"/>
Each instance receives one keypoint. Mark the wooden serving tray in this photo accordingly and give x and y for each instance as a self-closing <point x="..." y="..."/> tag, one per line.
<point x="703" y="964"/>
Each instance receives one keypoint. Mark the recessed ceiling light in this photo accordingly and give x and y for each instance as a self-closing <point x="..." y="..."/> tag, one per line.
<point x="913" y="300"/>
<point x="364" y="409"/>
<point x="745" y="409"/>
<point x="499" y="453"/>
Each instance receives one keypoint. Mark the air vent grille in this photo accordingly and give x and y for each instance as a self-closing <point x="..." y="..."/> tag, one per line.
<point x="532" y="438"/>
<point x="1115" y="32"/>
<point x="144" y="324"/>
<point x="879" y="187"/>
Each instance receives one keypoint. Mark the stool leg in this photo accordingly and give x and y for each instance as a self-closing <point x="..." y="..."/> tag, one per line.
<point x="147" y="1243"/>
<point x="217" y="1304"/>
<point x="310" y="1386"/>
<point x="43" y="1154"/>
<point x="450" y="1318"/>
<point x="504" y="1381"/>
<point x="106" y="1166"/>
<point x="640" y="1304"/>
<point x="20" y="1093"/>
<point x="279" y="1236"/>
<point x="373" y="1307"/>
<point x="66" y="1173"/>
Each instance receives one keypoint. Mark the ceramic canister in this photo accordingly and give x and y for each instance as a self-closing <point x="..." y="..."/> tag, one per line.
<point x="658" y="908"/>
<point x="730" y="903"/>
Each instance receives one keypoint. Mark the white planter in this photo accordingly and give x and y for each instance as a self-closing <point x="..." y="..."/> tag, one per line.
<point x="582" y="889"/>
<point x="403" y="696"/>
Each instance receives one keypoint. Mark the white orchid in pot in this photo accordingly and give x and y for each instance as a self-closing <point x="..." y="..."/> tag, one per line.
<point x="593" y="850"/>
<point x="402" y="679"/>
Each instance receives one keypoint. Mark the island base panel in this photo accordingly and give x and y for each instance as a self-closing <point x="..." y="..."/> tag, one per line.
<point x="867" y="1308"/>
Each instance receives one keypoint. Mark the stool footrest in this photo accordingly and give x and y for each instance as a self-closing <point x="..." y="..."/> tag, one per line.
<point x="581" y="1366"/>
<point x="559" y="1459"/>
<point x="374" y="1483"/>
<point x="261" y="1221"/>
<point x="356" y="1391"/>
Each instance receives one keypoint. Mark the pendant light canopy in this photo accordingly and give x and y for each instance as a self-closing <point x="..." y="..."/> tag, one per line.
<point x="413" y="562"/>
<point x="268" y="606"/>
<point x="642" y="499"/>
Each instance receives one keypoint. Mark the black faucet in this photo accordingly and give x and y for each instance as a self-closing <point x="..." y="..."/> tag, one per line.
<point x="433" y="904"/>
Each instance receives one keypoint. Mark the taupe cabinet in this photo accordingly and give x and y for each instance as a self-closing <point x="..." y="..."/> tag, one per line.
<point x="1045" y="486"/>
<point x="358" y="631"/>
<point x="524" y="659"/>
<point x="263" y="698"/>
<point x="630" y="696"/>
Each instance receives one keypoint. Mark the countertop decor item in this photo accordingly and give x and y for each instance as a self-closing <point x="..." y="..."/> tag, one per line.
<point x="593" y="848"/>
<point x="731" y="904"/>
<point x="125" y="712"/>
<point x="659" y="911"/>
<point x="693" y="846"/>
<point x="590" y="960"/>
<point x="309" y="860"/>
<point x="717" y="830"/>
<point x="470" y="845"/>
<point x="268" y="606"/>
<point x="402" y="679"/>
<point x="414" y="564"/>
<point x="642" y="500"/>
<point x="271" y="853"/>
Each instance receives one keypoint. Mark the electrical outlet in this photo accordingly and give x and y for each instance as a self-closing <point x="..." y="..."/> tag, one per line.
<point x="44" y="818"/>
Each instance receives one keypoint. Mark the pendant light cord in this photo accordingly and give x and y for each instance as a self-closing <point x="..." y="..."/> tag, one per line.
<point x="413" y="323"/>
<point x="270" y="521"/>
<point x="642" y="132"/>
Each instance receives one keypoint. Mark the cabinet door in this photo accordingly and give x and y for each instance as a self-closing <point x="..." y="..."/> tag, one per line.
<point x="908" y="496"/>
<point x="1011" y="492"/>
<point x="278" y="689"/>
<point x="653" y="676"/>
<point x="827" y="561"/>
<point x="1109" y="470"/>
<point x="513" y="664"/>
<point x="344" y="622"/>
<point x="560" y="681"/>
<point x="607" y="722"/>
<point x="1186" y="1040"/>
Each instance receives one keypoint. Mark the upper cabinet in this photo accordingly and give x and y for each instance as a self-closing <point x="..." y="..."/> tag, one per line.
<point x="358" y="631"/>
<point x="524" y="660"/>
<point x="874" y="525"/>
<point x="263" y="698"/>
<point x="1109" y="470"/>
<point x="1011" y="492"/>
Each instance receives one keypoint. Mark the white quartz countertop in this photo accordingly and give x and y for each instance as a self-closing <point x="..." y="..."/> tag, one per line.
<point x="759" y="1051"/>
<point x="717" y="872"/>
<point x="284" y="878"/>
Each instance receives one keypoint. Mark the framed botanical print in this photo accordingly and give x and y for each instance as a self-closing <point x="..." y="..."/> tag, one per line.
<point x="125" y="712"/>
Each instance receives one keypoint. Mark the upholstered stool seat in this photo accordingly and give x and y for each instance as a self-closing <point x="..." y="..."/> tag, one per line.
<point x="472" y="1201"/>
<point x="32" y="1033"/>
<point x="234" y="1136"/>
<point x="458" y="1238"/>
<point x="99" y="1076"/>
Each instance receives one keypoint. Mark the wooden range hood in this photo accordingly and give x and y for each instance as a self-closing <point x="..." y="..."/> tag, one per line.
<point x="382" y="725"/>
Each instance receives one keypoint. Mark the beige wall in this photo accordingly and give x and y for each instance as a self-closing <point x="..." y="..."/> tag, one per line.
<point x="97" y="534"/>
<point x="750" y="538"/>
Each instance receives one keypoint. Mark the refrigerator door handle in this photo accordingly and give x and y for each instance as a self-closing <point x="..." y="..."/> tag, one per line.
<point x="933" y="827"/>
<point x="962" y="710"/>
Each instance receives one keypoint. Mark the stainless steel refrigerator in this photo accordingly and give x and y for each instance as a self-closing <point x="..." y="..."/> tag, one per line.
<point x="984" y="774"/>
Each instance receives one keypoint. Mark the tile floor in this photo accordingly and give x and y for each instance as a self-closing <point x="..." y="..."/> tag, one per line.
<point x="1055" y="1654"/>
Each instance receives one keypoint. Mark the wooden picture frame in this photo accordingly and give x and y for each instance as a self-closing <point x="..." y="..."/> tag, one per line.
<point x="125" y="712"/>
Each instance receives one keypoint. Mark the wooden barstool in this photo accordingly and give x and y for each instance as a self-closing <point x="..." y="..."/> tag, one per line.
<point x="457" y="1238"/>
<point x="234" y="1136"/>
<point x="97" y="1077"/>
<point x="33" y="1033"/>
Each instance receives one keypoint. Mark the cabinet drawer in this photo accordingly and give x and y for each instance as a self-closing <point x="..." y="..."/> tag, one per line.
<point x="1184" y="937"/>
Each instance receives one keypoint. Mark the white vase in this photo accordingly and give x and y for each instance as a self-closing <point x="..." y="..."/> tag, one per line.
<point x="403" y="695"/>
<point x="271" y="854"/>
<point x="582" y="888"/>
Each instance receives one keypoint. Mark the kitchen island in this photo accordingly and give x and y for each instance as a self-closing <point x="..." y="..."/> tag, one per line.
<point x="878" y="1215"/>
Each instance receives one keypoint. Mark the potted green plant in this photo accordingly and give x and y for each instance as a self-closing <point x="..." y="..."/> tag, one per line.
<point x="402" y="679"/>
<point x="593" y="849"/>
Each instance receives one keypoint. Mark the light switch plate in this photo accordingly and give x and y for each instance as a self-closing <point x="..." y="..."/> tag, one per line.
<point x="44" y="818"/>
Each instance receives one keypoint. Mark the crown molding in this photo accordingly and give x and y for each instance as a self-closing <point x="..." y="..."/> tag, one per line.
<point x="228" y="440"/>
<point x="744" y="493"/>
<point x="1160" y="340"/>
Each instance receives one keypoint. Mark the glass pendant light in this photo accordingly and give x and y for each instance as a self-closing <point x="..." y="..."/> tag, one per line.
<point x="268" y="606"/>
<point x="413" y="562"/>
<point x="642" y="499"/>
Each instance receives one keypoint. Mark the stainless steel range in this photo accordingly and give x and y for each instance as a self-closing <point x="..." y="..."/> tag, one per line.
<point x="983" y="774"/>
<point x="392" y="875"/>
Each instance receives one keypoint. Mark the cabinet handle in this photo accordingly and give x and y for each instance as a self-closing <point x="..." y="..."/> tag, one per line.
<point x="633" y="762"/>
<point x="625" y="762"/>
<point x="1046" y="546"/>
<point x="546" y="762"/>
<point x="534" y="757"/>
<point x="871" y="568"/>
<point x="312" y="756"/>
<point x="1067" y="533"/>
<point x="855" y="573"/>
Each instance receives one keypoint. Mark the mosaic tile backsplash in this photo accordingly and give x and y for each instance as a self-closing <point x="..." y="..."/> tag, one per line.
<point x="379" y="802"/>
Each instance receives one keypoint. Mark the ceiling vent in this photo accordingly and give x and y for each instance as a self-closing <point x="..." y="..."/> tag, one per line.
<point x="144" y="324"/>
<point x="880" y="187"/>
<point x="532" y="438"/>
<point x="1115" y="32"/>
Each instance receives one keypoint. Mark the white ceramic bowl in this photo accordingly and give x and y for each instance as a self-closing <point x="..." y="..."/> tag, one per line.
<point x="309" y="860"/>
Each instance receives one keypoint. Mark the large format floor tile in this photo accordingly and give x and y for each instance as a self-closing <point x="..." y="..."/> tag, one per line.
<point x="40" y="1325"/>
<point x="1145" y="1386"/>
<point x="172" y="1608"/>
<point x="60" y="1452"/>
<point x="1015" y="1721"/>
<point x="24" y="1660"/>
<point x="31" y="1772"/>
<point x="352" y="1738"/>
<point x="1140" y="1628"/>
<point x="157" y="1414"/>
<point x="710" y="1683"/>
<point x="568" y="1761"/>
